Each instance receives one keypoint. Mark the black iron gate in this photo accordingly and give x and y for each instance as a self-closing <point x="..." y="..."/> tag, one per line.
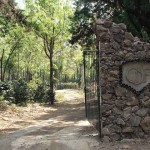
<point x="92" y="88"/>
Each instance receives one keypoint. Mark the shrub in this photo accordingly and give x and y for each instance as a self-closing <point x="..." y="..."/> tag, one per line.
<point x="6" y="91"/>
<point x="39" y="93"/>
<point x="3" y="86"/>
<point x="48" y="96"/>
<point x="9" y="94"/>
<point x="69" y="85"/>
<point x="32" y="85"/>
<point x="20" y="92"/>
<point x="3" y="104"/>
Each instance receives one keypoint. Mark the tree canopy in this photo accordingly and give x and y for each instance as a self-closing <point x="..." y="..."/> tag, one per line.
<point x="134" y="13"/>
<point x="35" y="44"/>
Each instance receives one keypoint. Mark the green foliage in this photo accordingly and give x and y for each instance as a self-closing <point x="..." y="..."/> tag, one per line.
<point x="70" y="85"/>
<point x="32" y="87"/>
<point x="9" y="94"/>
<point x="134" y="13"/>
<point x="20" y="92"/>
<point x="48" y="96"/>
<point x="39" y="93"/>
<point x="3" y="105"/>
<point x="27" y="38"/>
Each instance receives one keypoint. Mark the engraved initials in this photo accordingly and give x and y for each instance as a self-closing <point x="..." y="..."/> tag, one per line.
<point x="137" y="76"/>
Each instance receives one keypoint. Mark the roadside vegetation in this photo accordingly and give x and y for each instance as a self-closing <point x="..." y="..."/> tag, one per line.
<point x="42" y="43"/>
<point x="36" y="57"/>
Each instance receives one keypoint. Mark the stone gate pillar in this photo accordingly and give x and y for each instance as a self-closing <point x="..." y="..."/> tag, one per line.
<point x="125" y="82"/>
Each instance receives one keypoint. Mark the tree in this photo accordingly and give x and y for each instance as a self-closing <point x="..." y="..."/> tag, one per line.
<point x="10" y="43"/>
<point x="50" y="24"/>
<point x="134" y="13"/>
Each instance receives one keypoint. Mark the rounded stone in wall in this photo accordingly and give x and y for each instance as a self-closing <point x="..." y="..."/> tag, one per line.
<point x="128" y="130"/>
<point x="115" y="29"/>
<point x="142" y="112"/>
<point x="146" y="103"/>
<point x="127" y="113"/>
<point x="127" y="43"/>
<point x="115" y="128"/>
<point x="120" y="121"/>
<point x="107" y="24"/>
<point x="105" y="132"/>
<point x="139" y="46"/>
<point x="123" y="26"/>
<point x="120" y="91"/>
<point x="135" y="120"/>
<point x="132" y="101"/>
<point x="145" y="124"/>
<point x="118" y="38"/>
<point x="129" y="36"/>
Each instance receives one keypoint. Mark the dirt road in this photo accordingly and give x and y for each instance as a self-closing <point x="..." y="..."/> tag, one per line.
<point x="59" y="127"/>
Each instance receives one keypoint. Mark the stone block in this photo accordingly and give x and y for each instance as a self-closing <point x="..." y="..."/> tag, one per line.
<point x="107" y="24"/>
<point x="120" y="91"/>
<point x="127" y="43"/>
<point x="120" y="121"/>
<point x="115" y="128"/>
<point x="115" y="28"/>
<point x="132" y="102"/>
<point x="106" y="96"/>
<point x="129" y="36"/>
<point x="127" y="130"/>
<point x="127" y="113"/>
<point x="106" y="139"/>
<point x="101" y="28"/>
<point x="115" y="45"/>
<point x="145" y="124"/>
<point x="135" y="120"/>
<point x="105" y="132"/>
<point x="116" y="111"/>
<point x="142" y="112"/>
<point x="123" y="26"/>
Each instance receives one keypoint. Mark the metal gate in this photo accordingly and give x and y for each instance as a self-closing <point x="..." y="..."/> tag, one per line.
<point x="92" y="87"/>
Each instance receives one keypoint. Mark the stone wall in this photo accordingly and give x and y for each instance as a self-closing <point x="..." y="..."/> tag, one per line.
<point x="124" y="113"/>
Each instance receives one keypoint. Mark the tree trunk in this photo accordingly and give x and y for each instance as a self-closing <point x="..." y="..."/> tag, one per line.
<point x="18" y="67"/>
<point x="9" y="74"/>
<point x="51" y="77"/>
<point x="1" y="61"/>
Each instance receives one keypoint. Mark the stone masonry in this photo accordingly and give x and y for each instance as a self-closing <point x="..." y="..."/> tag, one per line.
<point x="124" y="114"/>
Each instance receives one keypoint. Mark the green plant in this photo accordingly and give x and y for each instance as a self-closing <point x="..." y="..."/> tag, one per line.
<point x="69" y="85"/>
<point x="39" y="93"/>
<point x="49" y="96"/>
<point x="32" y="85"/>
<point x="9" y="93"/>
<point x="3" y="105"/>
<point x="20" y="92"/>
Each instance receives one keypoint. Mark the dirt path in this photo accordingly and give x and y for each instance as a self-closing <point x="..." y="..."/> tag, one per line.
<point x="61" y="127"/>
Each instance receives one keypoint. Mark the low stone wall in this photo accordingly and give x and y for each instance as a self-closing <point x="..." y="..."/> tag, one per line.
<point x="125" y="114"/>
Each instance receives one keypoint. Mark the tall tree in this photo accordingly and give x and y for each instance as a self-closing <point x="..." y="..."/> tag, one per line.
<point x="50" y="24"/>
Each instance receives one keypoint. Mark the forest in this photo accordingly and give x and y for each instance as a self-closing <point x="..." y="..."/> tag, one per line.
<point x="42" y="42"/>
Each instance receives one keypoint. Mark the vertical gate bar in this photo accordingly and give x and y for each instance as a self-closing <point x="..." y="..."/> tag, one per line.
<point x="100" y="92"/>
<point x="84" y="63"/>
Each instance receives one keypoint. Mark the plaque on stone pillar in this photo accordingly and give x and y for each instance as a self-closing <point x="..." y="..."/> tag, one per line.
<point x="135" y="75"/>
